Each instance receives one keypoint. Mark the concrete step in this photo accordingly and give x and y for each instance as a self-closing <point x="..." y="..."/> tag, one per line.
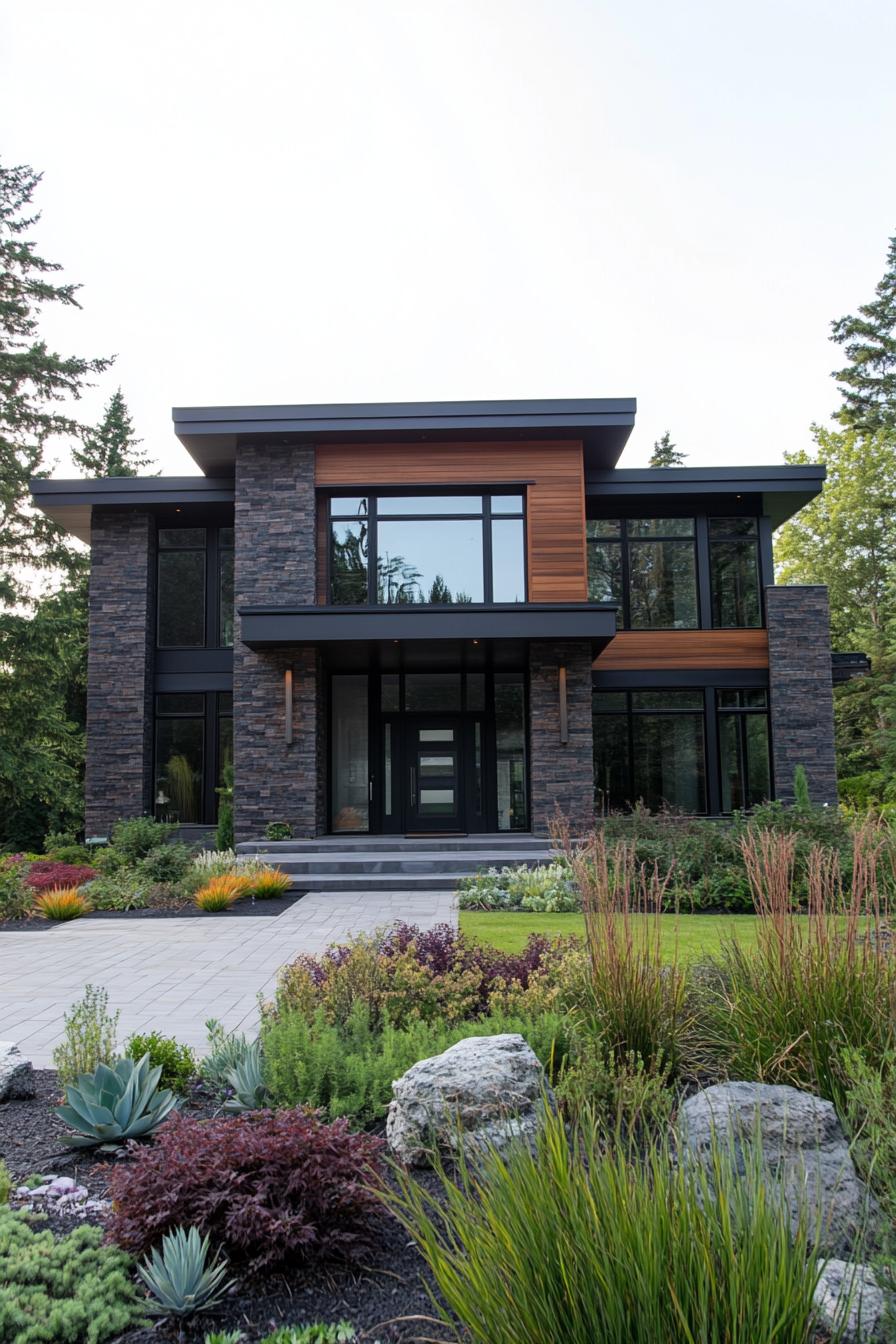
<point x="410" y="844"/>
<point x="382" y="861"/>
<point x="374" y="882"/>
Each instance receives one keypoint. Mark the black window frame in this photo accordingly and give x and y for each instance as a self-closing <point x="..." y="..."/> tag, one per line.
<point x="371" y="516"/>
<point x="698" y="710"/>
<point x="211" y="550"/>
<point x="624" y="540"/>
<point x="741" y="712"/>
<point x="216" y="706"/>
<point x="741" y="539"/>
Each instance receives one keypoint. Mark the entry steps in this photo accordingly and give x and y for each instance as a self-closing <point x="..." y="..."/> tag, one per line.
<point x="396" y="862"/>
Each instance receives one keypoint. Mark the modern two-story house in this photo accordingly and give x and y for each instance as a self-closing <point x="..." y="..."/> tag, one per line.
<point x="422" y="619"/>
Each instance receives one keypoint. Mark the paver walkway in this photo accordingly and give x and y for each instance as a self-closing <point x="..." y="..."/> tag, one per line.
<point x="171" y="975"/>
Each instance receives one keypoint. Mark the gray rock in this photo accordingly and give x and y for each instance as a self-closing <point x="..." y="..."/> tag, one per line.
<point x="803" y="1148"/>
<point x="16" y="1073"/>
<point x="480" y="1093"/>
<point x="849" y="1298"/>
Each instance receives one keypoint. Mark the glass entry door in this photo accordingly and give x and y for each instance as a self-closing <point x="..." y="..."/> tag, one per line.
<point x="434" y="775"/>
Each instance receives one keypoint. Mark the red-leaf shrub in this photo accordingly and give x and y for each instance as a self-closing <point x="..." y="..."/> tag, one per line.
<point x="44" y="874"/>
<point x="270" y="1187"/>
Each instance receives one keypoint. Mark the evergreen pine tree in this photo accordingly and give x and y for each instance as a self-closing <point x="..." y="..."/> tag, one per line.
<point x="110" y="448"/>
<point x="666" y="454"/>
<point x="33" y="380"/>
<point x="868" y="383"/>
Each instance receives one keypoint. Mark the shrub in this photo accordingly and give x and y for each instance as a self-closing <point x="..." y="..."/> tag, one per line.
<point x="5" y="1183"/>
<point x="785" y="1012"/>
<point x="547" y="888"/>
<point x="406" y="975"/>
<point x="166" y="863"/>
<point x="213" y="862"/>
<point x="15" y="898"/>
<point x="72" y="1289"/>
<point x="268" y="884"/>
<point x="114" y="1104"/>
<point x="179" y="1276"/>
<point x="177" y="1061"/>
<point x="62" y="903"/>
<point x="89" y="1038"/>
<point x="348" y="1070"/>
<point x="870" y="1120"/>
<point x="220" y="893"/>
<point x="625" y="1098"/>
<point x="79" y="855"/>
<point x="226" y="1052"/>
<point x="583" y="1244"/>
<point x="45" y="874"/>
<point x="278" y="830"/>
<point x="124" y="889"/>
<point x="133" y="839"/>
<point x="246" y="1078"/>
<point x="273" y="1188"/>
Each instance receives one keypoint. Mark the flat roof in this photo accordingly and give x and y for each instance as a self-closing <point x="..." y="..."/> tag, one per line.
<point x="781" y="491"/>
<point x="210" y="434"/>
<point x="69" y="503"/>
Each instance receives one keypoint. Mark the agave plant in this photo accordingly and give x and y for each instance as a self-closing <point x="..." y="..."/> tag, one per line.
<point x="247" y="1080"/>
<point x="117" y="1103"/>
<point x="179" y="1277"/>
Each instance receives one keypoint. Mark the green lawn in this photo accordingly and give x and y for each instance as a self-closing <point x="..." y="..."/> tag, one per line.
<point x="696" y="935"/>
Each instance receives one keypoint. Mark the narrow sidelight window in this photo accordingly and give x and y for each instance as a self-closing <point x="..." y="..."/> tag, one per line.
<point x="510" y="741"/>
<point x="225" y="587"/>
<point x="744" y="761"/>
<point x="734" y="572"/>
<point x="351" y="769"/>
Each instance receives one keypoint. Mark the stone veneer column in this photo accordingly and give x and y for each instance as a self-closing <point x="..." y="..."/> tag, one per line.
<point x="274" y="565"/>
<point x="800" y="690"/>
<point x="121" y="626"/>
<point x="561" y="774"/>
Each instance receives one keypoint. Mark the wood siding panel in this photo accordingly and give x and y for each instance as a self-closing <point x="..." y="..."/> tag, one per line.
<point x="555" y="507"/>
<point x="644" y="650"/>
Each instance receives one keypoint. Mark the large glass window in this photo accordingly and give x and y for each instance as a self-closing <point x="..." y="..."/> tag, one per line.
<point x="510" y="741"/>
<point x="434" y="550"/>
<point x="649" y="748"/>
<point x="744" y="763"/>
<point x="351" y="768"/>
<point x="648" y="566"/>
<point x="734" y="572"/>
<point x="193" y="744"/>
<point x="181" y="623"/>
<point x="195" y="588"/>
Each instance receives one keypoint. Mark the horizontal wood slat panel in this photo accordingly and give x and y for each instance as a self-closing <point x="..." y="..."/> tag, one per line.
<point x="555" y="512"/>
<point x="641" y="650"/>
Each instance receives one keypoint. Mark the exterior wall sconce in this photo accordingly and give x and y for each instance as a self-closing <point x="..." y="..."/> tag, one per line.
<point x="561" y="691"/>
<point x="287" y="704"/>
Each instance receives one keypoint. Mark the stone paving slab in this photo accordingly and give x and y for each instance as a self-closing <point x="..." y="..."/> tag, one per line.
<point x="171" y="975"/>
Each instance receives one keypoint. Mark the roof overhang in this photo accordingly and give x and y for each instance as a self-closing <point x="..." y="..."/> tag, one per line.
<point x="779" y="492"/>
<point x="278" y="627"/>
<point x="71" y="503"/>
<point x="211" y="434"/>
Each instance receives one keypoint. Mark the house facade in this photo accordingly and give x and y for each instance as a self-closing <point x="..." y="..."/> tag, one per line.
<point x="450" y="618"/>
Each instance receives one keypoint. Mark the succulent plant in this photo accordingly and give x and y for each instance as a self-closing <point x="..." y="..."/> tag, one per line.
<point x="179" y="1276"/>
<point x="117" y="1103"/>
<point x="247" y="1080"/>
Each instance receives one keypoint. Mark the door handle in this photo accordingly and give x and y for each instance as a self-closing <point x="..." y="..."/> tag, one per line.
<point x="413" y="786"/>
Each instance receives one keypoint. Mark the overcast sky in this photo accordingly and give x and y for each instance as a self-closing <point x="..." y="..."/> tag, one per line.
<point x="374" y="200"/>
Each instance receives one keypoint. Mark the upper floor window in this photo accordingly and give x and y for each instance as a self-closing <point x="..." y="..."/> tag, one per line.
<point x="734" y="571"/>
<point x="648" y="566"/>
<point x="427" y="549"/>
<point x="195" y="588"/>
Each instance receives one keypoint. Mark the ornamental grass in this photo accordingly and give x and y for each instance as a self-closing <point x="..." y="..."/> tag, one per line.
<point x="222" y="892"/>
<point x="62" y="903"/>
<point x="268" y="883"/>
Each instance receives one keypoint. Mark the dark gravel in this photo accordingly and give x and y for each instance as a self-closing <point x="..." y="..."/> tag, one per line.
<point x="384" y="1295"/>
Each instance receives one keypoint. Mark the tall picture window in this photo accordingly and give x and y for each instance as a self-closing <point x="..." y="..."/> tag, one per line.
<point x="743" y="748"/>
<point x="435" y="550"/>
<point x="193" y="744"/>
<point x="649" y="567"/>
<point x="734" y="572"/>
<point x="182" y="561"/>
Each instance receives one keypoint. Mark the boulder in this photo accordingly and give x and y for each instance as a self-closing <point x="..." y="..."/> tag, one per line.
<point x="481" y="1093"/>
<point x="16" y="1073"/>
<point x="849" y="1298"/>
<point x="803" y="1148"/>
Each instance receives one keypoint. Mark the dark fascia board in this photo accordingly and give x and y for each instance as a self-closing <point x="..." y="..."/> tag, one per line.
<point x="70" y="503"/>
<point x="210" y="434"/>
<point x="269" y="627"/>
<point x="783" y="490"/>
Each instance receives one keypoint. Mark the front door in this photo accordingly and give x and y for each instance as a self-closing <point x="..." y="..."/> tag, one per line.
<point x="434" y="775"/>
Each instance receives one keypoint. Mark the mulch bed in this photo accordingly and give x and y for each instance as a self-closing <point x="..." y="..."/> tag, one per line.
<point x="383" y="1295"/>
<point x="242" y="910"/>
